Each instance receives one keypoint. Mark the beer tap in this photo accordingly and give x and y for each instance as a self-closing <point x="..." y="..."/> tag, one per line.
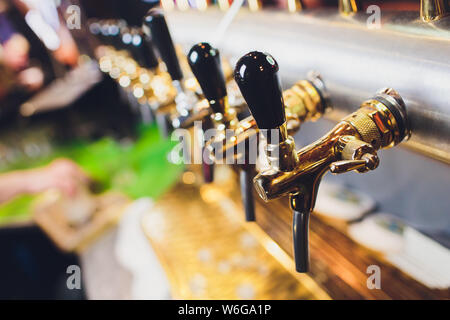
<point x="380" y="122"/>
<point x="153" y="83"/>
<point x="156" y="27"/>
<point x="129" y="57"/>
<point x="205" y="63"/>
<point x="307" y="100"/>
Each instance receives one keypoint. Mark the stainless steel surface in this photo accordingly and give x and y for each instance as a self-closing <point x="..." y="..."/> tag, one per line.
<point x="405" y="53"/>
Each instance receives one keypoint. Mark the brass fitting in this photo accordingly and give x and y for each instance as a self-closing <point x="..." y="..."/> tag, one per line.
<point x="295" y="5"/>
<point x="433" y="10"/>
<point x="349" y="7"/>
<point x="305" y="101"/>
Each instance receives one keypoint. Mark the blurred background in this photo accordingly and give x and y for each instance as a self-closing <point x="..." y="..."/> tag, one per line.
<point x="88" y="176"/>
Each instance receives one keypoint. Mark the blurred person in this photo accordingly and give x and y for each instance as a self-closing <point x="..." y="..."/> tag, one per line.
<point x="45" y="14"/>
<point x="25" y="66"/>
<point x="62" y="174"/>
<point x="31" y="266"/>
<point x="15" y="57"/>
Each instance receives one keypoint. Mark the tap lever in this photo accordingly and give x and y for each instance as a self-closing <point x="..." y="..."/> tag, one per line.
<point x="346" y="166"/>
<point x="367" y="162"/>
<point x="204" y="61"/>
<point x="356" y="155"/>
<point x="256" y="74"/>
<point x="156" y="26"/>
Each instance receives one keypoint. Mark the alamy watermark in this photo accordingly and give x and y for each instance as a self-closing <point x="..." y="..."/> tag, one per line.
<point x="374" y="279"/>
<point x="374" y="20"/>
<point x="73" y="19"/>
<point x="74" y="279"/>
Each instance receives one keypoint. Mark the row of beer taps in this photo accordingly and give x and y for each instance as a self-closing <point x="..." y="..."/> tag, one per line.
<point x="219" y="99"/>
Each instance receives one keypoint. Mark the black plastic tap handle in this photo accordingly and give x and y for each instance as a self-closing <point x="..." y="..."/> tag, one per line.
<point x="160" y="36"/>
<point x="256" y="74"/>
<point x="149" y="54"/>
<point x="300" y="231"/>
<point x="204" y="61"/>
<point x="141" y="48"/>
<point x="110" y="31"/>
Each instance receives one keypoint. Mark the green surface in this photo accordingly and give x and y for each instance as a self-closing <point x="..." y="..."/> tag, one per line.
<point x="138" y="169"/>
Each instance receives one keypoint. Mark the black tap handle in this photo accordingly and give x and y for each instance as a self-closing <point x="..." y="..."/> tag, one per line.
<point x="256" y="74"/>
<point x="141" y="49"/>
<point x="204" y="61"/>
<point x="300" y="231"/>
<point x="246" y="180"/>
<point x="148" y="51"/>
<point x="160" y="35"/>
<point x="110" y="32"/>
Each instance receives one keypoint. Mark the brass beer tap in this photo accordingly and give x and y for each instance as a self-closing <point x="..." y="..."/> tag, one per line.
<point x="129" y="57"/>
<point x="380" y="122"/>
<point x="182" y="113"/>
<point x="205" y="63"/>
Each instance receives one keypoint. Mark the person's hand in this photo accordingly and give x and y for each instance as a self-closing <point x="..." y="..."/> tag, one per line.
<point x="61" y="174"/>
